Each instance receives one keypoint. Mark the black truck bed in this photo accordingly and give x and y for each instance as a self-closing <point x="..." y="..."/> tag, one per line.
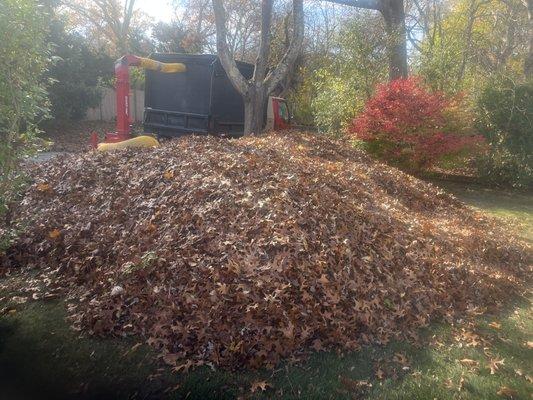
<point x="201" y="100"/>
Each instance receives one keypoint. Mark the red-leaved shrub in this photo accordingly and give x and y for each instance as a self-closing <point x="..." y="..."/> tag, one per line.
<point x="406" y="124"/>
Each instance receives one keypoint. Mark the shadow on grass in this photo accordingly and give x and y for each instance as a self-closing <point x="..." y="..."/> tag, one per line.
<point x="42" y="358"/>
<point x="515" y="206"/>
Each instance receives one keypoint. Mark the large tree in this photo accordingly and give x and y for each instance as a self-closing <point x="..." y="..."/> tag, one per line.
<point x="243" y="22"/>
<point x="114" y="21"/>
<point x="394" y="14"/>
<point x="528" y="63"/>
<point x="264" y="81"/>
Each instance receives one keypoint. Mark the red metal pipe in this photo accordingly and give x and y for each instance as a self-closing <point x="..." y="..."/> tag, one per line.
<point x="122" y="89"/>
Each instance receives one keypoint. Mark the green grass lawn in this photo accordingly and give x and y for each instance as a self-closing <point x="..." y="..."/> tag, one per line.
<point x="41" y="357"/>
<point x="514" y="206"/>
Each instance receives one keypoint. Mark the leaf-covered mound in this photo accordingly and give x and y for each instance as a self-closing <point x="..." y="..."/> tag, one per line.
<point x="243" y="252"/>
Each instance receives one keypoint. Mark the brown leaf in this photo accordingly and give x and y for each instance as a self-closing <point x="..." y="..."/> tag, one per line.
<point x="54" y="234"/>
<point x="469" y="363"/>
<point x="507" y="392"/>
<point x="169" y="174"/>
<point x="494" y="364"/>
<point x="43" y="187"/>
<point x="263" y="385"/>
<point x="317" y="345"/>
<point x="19" y="299"/>
<point x="255" y="233"/>
<point x="461" y="385"/>
<point x="171" y="358"/>
<point x="495" y="325"/>
<point x="355" y="385"/>
<point x="401" y="359"/>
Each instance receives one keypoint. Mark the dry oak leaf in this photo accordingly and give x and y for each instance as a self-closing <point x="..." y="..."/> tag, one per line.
<point x="263" y="385"/>
<point x="494" y="365"/>
<point x="468" y="362"/>
<point x="495" y="325"/>
<point x="168" y="174"/>
<point x="380" y="374"/>
<point x="355" y="385"/>
<point x="461" y="383"/>
<point x="317" y="345"/>
<point x="507" y="392"/>
<point x="19" y="299"/>
<point x="401" y="359"/>
<point x="43" y="187"/>
<point x="54" y="234"/>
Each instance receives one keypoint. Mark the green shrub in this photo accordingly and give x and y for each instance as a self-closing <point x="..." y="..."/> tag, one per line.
<point x="24" y="57"/>
<point x="506" y="120"/>
<point x="336" y="103"/>
<point x="77" y="72"/>
<point x="347" y="80"/>
<point x="405" y="124"/>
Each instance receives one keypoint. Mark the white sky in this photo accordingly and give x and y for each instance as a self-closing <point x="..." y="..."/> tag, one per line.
<point x="159" y="10"/>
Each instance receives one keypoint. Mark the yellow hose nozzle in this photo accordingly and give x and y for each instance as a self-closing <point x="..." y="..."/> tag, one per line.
<point x="167" y="68"/>
<point x="139" y="141"/>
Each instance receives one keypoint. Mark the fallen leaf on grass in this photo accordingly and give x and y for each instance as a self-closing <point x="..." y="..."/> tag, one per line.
<point x="133" y="348"/>
<point x="529" y="345"/>
<point x="355" y="385"/>
<point x="449" y="383"/>
<point x="494" y="364"/>
<point x="495" y="325"/>
<point x="401" y="359"/>
<point x="171" y="358"/>
<point x="380" y="374"/>
<point x="263" y="385"/>
<point x="19" y="299"/>
<point x="461" y="383"/>
<point x="507" y="392"/>
<point x="469" y="363"/>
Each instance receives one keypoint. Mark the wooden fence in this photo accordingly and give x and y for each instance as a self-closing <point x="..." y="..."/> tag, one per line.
<point x="107" y="111"/>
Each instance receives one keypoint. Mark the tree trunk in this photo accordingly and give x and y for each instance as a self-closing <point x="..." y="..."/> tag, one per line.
<point x="256" y="90"/>
<point x="394" y="15"/>
<point x="528" y="63"/>
<point x="254" y="110"/>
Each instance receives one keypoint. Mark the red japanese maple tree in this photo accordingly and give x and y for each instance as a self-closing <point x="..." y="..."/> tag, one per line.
<point x="405" y="123"/>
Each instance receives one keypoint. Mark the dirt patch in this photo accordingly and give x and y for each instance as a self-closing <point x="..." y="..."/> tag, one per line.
<point x="74" y="136"/>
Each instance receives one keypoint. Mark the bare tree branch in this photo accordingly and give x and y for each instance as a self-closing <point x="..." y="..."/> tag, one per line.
<point x="368" y="4"/>
<point x="229" y="64"/>
<point x="263" y="55"/>
<point x="282" y="69"/>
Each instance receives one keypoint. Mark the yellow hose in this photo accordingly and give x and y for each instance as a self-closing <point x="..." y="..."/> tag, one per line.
<point x="139" y="141"/>
<point x="167" y="68"/>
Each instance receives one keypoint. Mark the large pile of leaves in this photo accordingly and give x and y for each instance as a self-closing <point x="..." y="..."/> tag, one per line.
<point x="244" y="252"/>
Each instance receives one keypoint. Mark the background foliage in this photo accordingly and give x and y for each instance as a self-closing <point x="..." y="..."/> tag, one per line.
<point x="24" y="58"/>
<point x="505" y="109"/>
<point x="466" y="49"/>
<point x="406" y="124"/>
<point x="77" y="73"/>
